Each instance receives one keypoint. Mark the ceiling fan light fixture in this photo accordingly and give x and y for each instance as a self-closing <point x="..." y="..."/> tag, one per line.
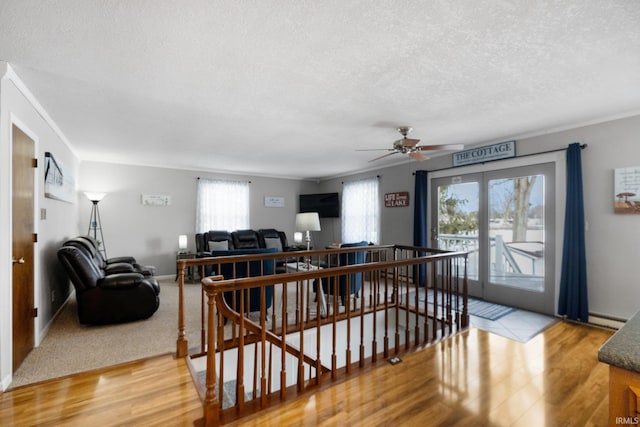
<point x="404" y="130"/>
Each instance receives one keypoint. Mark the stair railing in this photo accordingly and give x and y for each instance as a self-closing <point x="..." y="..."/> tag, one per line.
<point x="409" y="297"/>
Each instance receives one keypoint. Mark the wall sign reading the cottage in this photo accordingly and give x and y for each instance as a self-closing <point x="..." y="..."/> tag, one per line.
<point x="502" y="150"/>
<point x="397" y="199"/>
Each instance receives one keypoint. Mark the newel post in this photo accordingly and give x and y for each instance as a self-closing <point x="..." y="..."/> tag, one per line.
<point x="211" y="404"/>
<point x="182" y="346"/>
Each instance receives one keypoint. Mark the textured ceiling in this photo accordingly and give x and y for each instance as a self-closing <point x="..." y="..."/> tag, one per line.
<point x="293" y="88"/>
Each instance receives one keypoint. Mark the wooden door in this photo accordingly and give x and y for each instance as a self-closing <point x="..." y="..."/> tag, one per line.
<point x="23" y="246"/>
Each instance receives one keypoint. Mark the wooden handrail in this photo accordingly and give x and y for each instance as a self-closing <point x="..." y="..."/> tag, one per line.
<point x="390" y="282"/>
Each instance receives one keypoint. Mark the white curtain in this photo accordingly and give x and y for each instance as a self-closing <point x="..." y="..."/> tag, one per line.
<point x="222" y="205"/>
<point x="361" y="211"/>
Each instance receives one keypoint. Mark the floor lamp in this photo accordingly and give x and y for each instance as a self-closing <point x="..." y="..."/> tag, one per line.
<point x="95" y="225"/>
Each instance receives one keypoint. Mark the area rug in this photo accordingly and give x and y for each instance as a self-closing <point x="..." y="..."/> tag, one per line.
<point x="476" y="307"/>
<point x="487" y="310"/>
<point x="70" y="347"/>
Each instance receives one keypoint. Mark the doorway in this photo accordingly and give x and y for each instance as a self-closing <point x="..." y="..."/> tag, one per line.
<point x="505" y="220"/>
<point x="22" y="249"/>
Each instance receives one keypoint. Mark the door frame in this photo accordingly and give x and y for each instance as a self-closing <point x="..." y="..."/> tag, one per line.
<point x="558" y="158"/>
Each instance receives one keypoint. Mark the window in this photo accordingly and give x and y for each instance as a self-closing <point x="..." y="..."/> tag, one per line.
<point x="361" y="211"/>
<point x="222" y="205"/>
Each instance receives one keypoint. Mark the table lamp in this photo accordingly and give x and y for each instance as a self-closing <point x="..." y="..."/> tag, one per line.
<point x="308" y="222"/>
<point x="182" y="243"/>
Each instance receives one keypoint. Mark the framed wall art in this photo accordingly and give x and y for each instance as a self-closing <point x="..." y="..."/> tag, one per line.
<point x="155" y="199"/>
<point x="58" y="183"/>
<point x="627" y="190"/>
<point x="273" y="201"/>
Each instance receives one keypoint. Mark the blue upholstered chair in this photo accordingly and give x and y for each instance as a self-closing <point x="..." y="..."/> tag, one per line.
<point x="255" y="268"/>
<point x="354" y="280"/>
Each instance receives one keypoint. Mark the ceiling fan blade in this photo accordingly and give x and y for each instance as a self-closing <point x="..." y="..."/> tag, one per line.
<point x="382" y="157"/>
<point x="417" y="156"/>
<point x="441" y="147"/>
<point x="374" y="149"/>
<point x="408" y="142"/>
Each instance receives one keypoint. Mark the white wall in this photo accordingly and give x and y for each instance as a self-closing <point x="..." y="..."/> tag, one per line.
<point x="150" y="233"/>
<point x="612" y="240"/>
<point x="18" y="106"/>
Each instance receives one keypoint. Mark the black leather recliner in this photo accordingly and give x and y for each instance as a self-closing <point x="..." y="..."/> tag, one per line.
<point x="94" y="256"/>
<point x="216" y="240"/>
<point x="212" y="240"/>
<point x="91" y="245"/>
<point x="245" y="239"/>
<point x="104" y="299"/>
<point x="272" y="238"/>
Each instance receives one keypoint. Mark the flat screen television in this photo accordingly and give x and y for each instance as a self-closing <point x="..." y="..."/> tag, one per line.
<point x="326" y="204"/>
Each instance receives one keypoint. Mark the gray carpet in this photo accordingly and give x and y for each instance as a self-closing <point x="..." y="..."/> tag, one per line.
<point x="228" y="390"/>
<point x="70" y="348"/>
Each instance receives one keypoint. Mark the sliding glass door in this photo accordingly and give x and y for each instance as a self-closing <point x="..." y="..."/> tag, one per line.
<point x="456" y="220"/>
<point x="505" y="220"/>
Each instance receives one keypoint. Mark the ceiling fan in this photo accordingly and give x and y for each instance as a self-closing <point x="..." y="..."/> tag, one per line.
<point x="410" y="146"/>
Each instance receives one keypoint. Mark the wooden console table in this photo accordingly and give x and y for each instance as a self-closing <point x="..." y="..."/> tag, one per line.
<point x="622" y="353"/>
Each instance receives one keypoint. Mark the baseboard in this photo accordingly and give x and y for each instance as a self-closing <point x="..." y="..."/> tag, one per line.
<point x="606" y="321"/>
<point x="45" y="331"/>
<point x="6" y="382"/>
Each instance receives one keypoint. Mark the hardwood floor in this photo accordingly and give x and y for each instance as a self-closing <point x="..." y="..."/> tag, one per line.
<point x="475" y="378"/>
<point x="153" y="392"/>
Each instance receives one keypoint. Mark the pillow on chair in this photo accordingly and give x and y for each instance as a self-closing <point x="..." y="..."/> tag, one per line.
<point x="273" y="242"/>
<point x="222" y="245"/>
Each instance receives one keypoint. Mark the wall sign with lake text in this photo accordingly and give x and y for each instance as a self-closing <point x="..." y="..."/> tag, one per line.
<point x="397" y="199"/>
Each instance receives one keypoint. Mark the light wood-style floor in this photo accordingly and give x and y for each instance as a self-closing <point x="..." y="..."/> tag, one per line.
<point x="475" y="378"/>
